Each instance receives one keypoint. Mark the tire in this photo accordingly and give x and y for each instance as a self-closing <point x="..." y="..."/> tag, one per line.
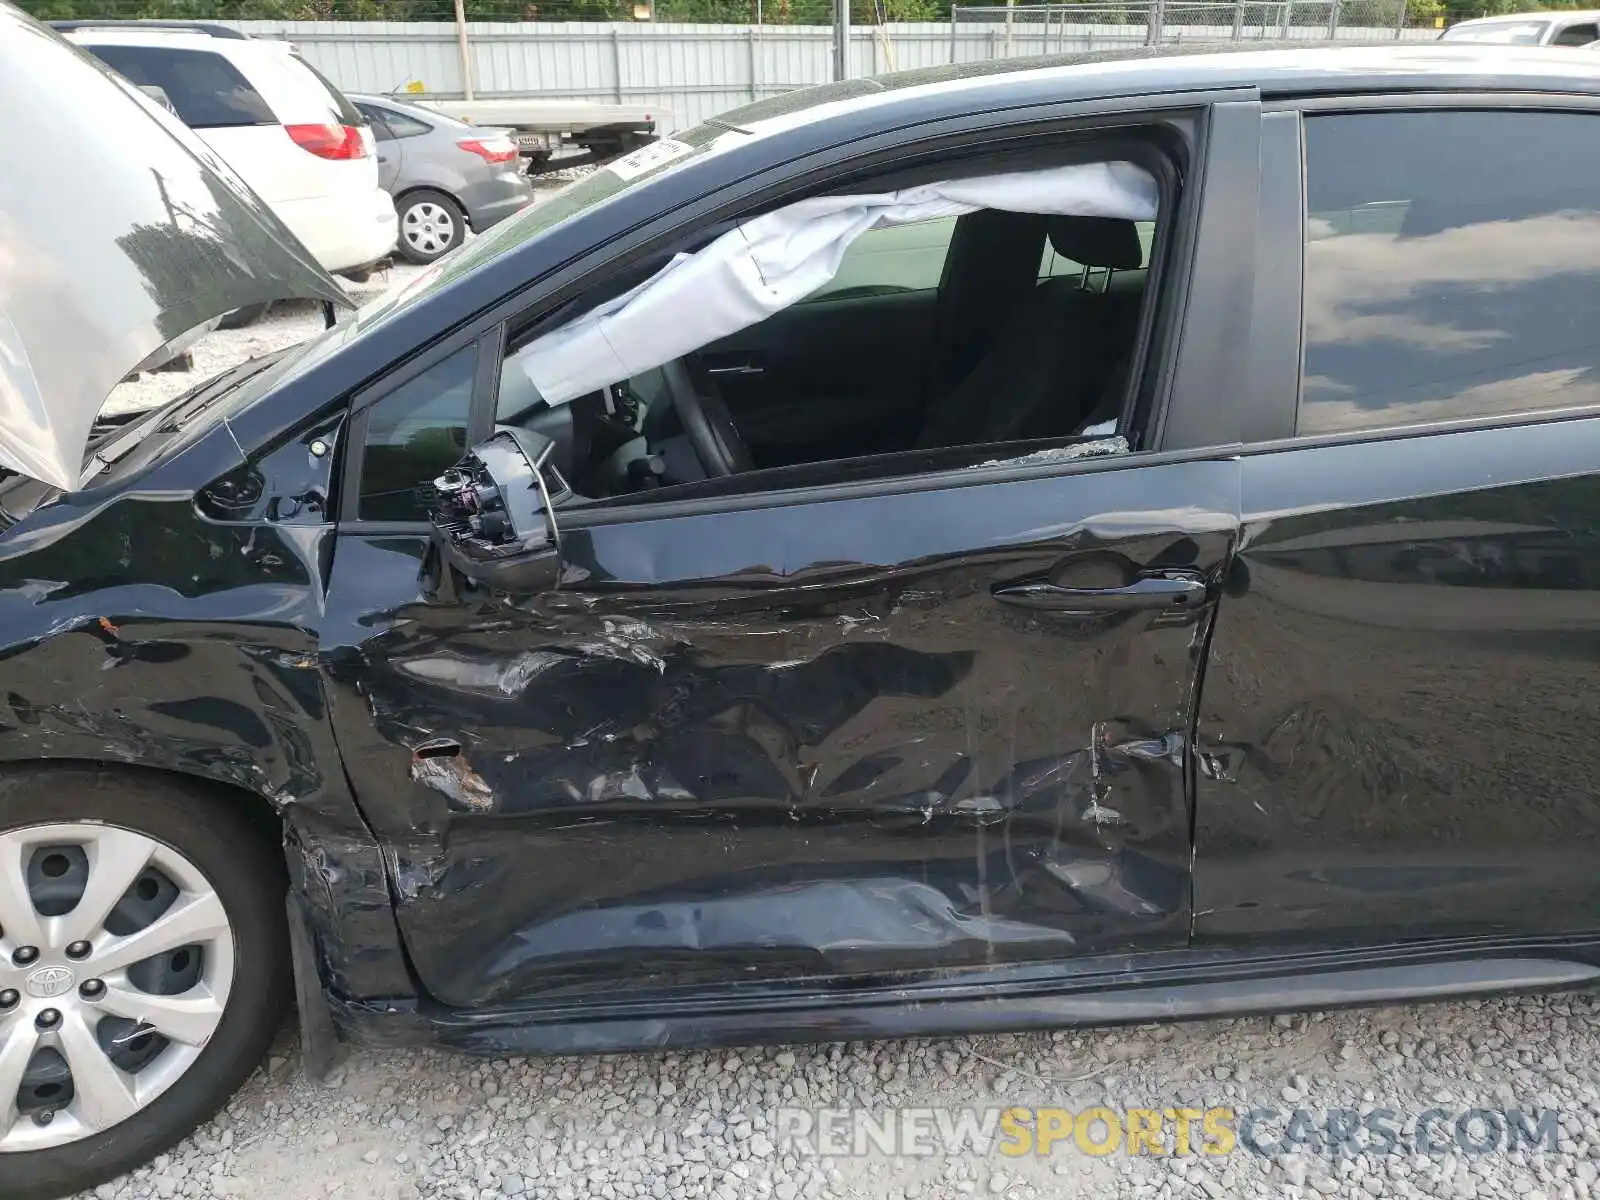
<point x="431" y="225"/>
<point x="215" y="863"/>
<point x="248" y="315"/>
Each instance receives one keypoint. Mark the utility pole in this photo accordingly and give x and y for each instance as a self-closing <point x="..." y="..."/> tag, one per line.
<point x="463" y="49"/>
<point x="841" y="39"/>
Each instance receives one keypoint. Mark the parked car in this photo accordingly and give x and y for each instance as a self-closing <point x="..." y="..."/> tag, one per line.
<point x="1529" y="29"/>
<point x="289" y="132"/>
<point x="178" y="354"/>
<point x="444" y="175"/>
<point x="614" y="640"/>
<point x="556" y="133"/>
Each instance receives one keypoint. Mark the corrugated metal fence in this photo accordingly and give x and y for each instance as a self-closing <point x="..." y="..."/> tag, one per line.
<point x="697" y="71"/>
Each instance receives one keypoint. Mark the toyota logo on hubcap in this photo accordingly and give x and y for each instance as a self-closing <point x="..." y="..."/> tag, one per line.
<point x="49" y="982"/>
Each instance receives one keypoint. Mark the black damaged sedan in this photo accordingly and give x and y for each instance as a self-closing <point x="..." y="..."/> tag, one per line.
<point x="1033" y="544"/>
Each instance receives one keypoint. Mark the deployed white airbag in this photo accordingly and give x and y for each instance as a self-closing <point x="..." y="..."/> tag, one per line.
<point x="777" y="259"/>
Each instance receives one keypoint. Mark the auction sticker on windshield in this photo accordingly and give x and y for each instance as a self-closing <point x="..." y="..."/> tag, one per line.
<point x="647" y="158"/>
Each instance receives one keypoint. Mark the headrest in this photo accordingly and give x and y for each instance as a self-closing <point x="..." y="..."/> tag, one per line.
<point x="1098" y="242"/>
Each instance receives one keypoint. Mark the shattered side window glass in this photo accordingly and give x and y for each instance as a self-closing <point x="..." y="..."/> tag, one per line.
<point x="1097" y="448"/>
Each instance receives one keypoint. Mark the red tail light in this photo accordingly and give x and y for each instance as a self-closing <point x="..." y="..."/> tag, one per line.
<point x="329" y="141"/>
<point x="495" y="150"/>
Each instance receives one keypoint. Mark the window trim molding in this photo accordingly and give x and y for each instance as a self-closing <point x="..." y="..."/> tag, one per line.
<point x="1195" y="390"/>
<point x="602" y="514"/>
<point x="599" y="514"/>
<point x="1277" y="320"/>
<point x="1346" y="437"/>
<point x="1429" y="101"/>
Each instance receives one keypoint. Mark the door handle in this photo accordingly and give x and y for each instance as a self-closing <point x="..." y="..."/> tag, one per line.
<point x="740" y="370"/>
<point x="1156" y="590"/>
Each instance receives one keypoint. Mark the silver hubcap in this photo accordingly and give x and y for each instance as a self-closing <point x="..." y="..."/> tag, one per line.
<point x="428" y="227"/>
<point x="116" y="962"/>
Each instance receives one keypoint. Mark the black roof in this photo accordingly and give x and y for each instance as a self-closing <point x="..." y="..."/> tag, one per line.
<point x="1274" y="68"/>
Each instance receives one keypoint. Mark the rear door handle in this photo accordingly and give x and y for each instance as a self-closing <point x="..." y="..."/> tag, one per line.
<point x="1157" y="590"/>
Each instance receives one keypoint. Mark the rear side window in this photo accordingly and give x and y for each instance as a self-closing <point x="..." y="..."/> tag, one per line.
<point x="404" y="126"/>
<point x="375" y="118"/>
<point x="1576" y="35"/>
<point x="1452" y="267"/>
<point x="397" y="123"/>
<point x="207" y="90"/>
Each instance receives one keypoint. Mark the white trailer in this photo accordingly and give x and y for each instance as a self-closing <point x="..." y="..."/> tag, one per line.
<point x="559" y="133"/>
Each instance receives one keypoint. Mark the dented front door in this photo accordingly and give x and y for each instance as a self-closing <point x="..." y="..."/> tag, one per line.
<point x="824" y="741"/>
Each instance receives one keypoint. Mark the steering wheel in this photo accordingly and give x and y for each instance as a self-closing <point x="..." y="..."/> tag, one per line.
<point x="698" y="402"/>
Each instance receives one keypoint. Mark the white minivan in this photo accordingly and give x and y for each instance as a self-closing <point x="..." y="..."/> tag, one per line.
<point x="292" y="136"/>
<point x="1568" y="28"/>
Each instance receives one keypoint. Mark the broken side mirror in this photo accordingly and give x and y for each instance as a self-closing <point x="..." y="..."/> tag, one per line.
<point x="493" y="513"/>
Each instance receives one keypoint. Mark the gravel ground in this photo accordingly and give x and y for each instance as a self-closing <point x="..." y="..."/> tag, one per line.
<point x="412" y="1124"/>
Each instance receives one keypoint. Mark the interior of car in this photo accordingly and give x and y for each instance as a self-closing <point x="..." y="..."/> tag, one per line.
<point x="929" y="343"/>
<point x="948" y="335"/>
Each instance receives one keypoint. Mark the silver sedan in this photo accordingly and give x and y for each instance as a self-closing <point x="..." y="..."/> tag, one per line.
<point x="445" y="176"/>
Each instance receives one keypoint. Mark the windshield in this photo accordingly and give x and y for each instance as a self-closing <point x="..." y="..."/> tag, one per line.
<point x="1508" y="33"/>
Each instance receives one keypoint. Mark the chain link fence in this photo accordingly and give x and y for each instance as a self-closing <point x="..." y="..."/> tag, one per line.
<point x="990" y="31"/>
<point x="741" y="12"/>
<point x="1233" y="19"/>
<point x="1300" y="19"/>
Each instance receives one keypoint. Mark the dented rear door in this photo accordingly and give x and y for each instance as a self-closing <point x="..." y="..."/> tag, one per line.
<point x="828" y="740"/>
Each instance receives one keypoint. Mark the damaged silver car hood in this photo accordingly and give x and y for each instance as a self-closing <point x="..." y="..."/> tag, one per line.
<point x="120" y="231"/>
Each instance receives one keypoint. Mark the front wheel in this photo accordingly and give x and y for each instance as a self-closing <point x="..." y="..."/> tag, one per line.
<point x="431" y="225"/>
<point x="144" y="969"/>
